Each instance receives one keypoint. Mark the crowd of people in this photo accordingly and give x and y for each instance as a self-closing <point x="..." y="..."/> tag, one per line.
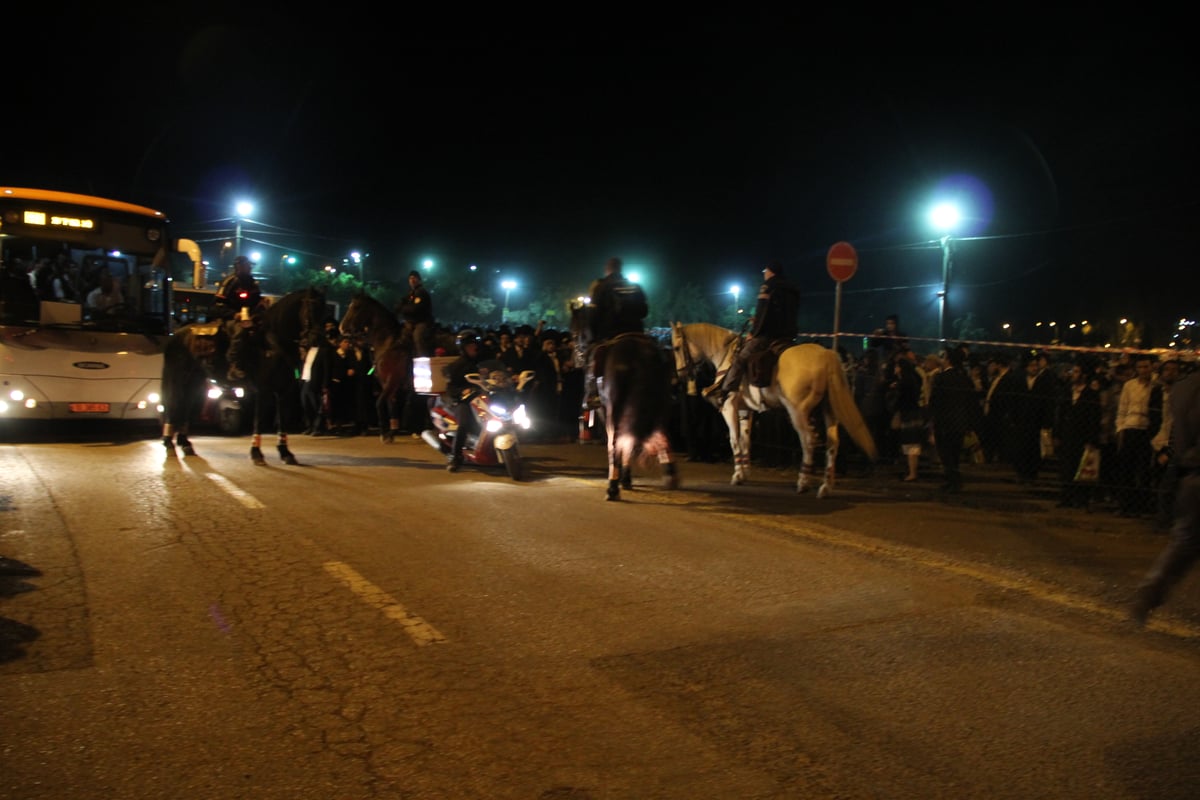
<point x="339" y="390"/>
<point x="1037" y="411"/>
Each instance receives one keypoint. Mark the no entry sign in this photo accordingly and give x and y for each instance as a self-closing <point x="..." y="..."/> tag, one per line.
<point x="841" y="261"/>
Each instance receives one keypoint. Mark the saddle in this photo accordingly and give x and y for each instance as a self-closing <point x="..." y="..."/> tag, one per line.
<point x="760" y="368"/>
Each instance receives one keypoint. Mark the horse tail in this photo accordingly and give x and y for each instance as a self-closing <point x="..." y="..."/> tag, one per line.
<point x="841" y="399"/>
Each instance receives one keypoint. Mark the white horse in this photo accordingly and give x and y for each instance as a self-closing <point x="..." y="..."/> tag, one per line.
<point x="806" y="377"/>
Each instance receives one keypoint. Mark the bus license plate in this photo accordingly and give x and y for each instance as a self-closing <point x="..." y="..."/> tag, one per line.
<point x="88" y="408"/>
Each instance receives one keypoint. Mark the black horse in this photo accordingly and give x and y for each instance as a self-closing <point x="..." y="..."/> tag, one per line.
<point x="391" y="356"/>
<point x="634" y="380"/>
<point x="271" y="358"/>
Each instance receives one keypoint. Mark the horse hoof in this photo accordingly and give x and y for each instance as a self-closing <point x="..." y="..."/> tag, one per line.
<point x="611" y="495"/>
<point x="671" y="482"/>
<point x="823" y="492"/>
<point x="388" y="438"/>
<point x="188" y="450"/>
<point x="290" y="460"/>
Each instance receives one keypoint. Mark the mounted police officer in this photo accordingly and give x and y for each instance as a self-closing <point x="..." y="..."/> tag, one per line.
<point x="774" y="320"/>
<point x="416" y="309"/>
<point x="619" y="306"/>
<point x="240" y="298"/>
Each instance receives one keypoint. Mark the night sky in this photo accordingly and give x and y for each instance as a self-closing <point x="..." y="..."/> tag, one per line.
<point x="696" y="149"/>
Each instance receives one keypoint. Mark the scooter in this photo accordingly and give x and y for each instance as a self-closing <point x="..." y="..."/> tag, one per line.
<point x="500" y="414"/>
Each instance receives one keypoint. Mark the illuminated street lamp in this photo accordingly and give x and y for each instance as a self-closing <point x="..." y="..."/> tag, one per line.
<point x="507" y="286"/>
<point x="944" y="217"/>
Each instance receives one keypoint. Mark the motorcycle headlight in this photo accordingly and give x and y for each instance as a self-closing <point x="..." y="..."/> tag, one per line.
<point x="494" y="425"/>
<point x="520" y="417"/>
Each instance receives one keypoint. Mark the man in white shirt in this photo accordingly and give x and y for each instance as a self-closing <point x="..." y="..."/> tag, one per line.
<point x="1134" y="453"/>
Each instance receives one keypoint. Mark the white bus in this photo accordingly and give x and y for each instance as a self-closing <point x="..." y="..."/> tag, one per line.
<point x="63" y="357"/>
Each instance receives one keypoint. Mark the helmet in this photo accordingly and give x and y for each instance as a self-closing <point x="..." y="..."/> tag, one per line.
<point x="243" y="261"/>
<point x="464" y="338"/>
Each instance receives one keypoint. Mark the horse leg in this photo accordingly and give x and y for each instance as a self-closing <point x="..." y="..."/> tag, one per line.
<point x="282" y="437"/>
<point x="614" y="470"/>
<point x="831" y="451"/>
<point x="670" y="475"/>
<point x="284" y="452"/>
<point x="806" y="479"/>
<point x="184" y="442"/>
<point x="738" y="421"/>
<point x="383" y="411"/>
<point x="256" y="454"/>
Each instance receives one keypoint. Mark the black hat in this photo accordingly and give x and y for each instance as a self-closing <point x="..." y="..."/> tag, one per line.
<point x="414" y="274"/>
<point x="524" y="330"/>
<point x="775" y="267"/>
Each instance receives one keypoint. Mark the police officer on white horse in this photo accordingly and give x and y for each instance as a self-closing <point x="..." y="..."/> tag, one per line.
<point x="774" y="319"/>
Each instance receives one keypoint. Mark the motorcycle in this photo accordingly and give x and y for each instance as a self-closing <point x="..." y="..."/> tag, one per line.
<point x="500" y="414"/>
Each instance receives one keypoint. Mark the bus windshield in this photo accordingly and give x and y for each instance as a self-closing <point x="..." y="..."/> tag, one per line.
<point x="76" y="261"/>
<point x="85" y="297"/>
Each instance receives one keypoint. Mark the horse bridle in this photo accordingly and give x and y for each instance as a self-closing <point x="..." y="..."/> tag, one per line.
<point x="688" y="370"/>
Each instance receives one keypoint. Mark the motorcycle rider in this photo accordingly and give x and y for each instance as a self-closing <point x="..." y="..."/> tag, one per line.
<point x="459" y="390"/>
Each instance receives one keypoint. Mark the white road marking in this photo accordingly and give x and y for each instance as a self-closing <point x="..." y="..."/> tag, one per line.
<point x="418" y="629"/>
<point x="243" y="497"/>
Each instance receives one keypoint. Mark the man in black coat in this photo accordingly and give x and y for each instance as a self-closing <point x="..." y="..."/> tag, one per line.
<point x="1076" y="426"/>
<point x="954" y="412"/>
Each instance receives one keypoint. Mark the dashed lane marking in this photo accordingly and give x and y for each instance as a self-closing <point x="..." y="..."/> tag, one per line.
<point x="243" y="497"/>
<point x="418" y="629"/>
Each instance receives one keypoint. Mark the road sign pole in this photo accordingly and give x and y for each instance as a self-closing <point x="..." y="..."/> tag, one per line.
<point x="841" y="262"/>
<point x="837" y="314"/>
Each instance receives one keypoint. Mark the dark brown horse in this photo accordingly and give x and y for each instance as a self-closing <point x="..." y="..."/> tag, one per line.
<point x="391" y="356"/>
<point x="271" y="358"/>
<point x="634" y="379"/>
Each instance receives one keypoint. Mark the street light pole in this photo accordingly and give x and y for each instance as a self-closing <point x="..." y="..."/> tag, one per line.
<point x="944" y="294"/>
<point x="243" y="210"/>
<point x="508" y="287"/>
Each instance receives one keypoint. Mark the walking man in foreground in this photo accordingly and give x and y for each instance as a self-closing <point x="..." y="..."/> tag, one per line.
<point x="1181" y="552"/>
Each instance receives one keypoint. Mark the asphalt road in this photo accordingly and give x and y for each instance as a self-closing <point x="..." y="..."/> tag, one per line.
<point x="370" y="626"/>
